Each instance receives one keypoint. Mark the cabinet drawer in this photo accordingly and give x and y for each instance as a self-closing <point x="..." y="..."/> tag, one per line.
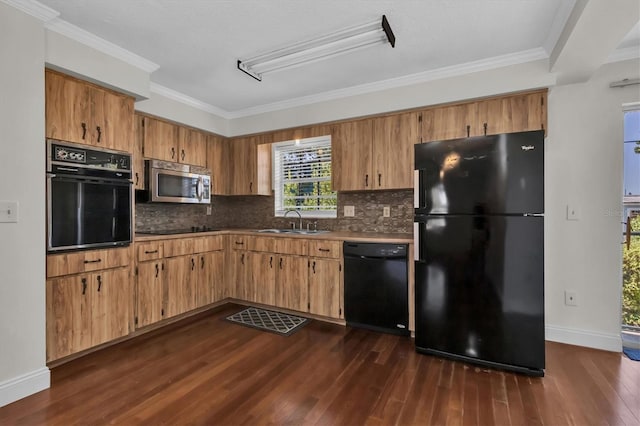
<point x="149" y="251"/>
<point x="205" y="244"/>
<point x="290" y="246"/>
<point x="238" y="242"/>
<point x="324" y="248"/>
<point x="86" y="261"/>
<point x="260" y="243"/>
<point x="178" y="247"/>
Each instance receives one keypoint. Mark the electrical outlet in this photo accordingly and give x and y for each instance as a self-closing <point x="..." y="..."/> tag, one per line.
<point x="208" y="210"/>
<point x="570" y="298"/>
<point x="349" y="211"/>
<point x="573" y="212"/>
<point x="8" y="211"/>
<point x="386" y="211"/>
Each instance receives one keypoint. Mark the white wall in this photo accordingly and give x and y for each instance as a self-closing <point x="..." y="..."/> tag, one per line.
<point x="584" y="168"/>
<point x="22" y="178"/>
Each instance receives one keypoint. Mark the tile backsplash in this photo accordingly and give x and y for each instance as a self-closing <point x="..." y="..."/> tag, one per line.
<point x="257" y="212"/>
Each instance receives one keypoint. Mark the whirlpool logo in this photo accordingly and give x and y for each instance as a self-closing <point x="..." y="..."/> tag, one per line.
<point x="527" y="147"/>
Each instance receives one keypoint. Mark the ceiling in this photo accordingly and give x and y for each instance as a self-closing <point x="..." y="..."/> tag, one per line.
<point x="196" y="43"/>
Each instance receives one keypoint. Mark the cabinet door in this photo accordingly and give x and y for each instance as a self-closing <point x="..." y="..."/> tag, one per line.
<point x="450" y="122"/>
<point x="263" y="274"/>
<point x="393" y="140"/>
<point x="160" y="140"/>
<point x="325" y="288"/>
<point x="67" y="108"/>
<point x="210" y="278"/>
<point x="351" y="156"/>
<point x="68" y="316"/>
<point x="117" y="122"/>
<point x="251" y="160"/>
<point x="178" y="283"/>
<point x="150" y="293"/>
<point x="218" y="161"/>
<point x="138" y="155"/>
<point x="193" y="147"/>
<point x="240" y="267"/>
<point x="518" y="113"/>
<point x="292" y="283"/>
<point x="110" y="305"/>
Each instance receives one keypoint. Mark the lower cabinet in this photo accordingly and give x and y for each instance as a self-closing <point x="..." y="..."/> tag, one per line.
<point x="150" y="300"/>
<point x="86" y="310"/>
<point x="210" y="279"/>
<point x="325" y="287"/>
<point x="292" y="290"/>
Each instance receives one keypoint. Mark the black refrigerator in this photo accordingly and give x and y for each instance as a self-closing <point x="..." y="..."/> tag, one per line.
<point x="479" y="250"/>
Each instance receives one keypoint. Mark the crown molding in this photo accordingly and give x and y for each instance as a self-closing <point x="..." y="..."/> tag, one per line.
<point x="81" y="36"/>
<point x="188" y="100"/>
<point x="625" y="54"/>
<point x="33" y="8"/>
<point x="423" y="77"/>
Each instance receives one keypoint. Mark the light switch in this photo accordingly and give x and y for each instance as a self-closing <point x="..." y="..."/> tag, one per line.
<point x="8" y="211"/>
<point x="573" y="212"/>
<point x="386" y="211"/>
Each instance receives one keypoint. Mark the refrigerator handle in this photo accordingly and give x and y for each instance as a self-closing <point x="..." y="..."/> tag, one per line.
<point x="416" y="241"/>
<point x="416" y="189"/>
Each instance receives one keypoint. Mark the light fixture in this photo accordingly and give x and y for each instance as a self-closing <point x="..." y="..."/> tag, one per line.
<point x="324" y="47"/>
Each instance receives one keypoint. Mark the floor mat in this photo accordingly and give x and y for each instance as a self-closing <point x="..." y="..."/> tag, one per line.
<point x="633" y="354"/>
<point x="275" y="322"/>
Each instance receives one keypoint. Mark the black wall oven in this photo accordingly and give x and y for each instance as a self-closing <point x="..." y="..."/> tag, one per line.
<point x="88" y="197"/>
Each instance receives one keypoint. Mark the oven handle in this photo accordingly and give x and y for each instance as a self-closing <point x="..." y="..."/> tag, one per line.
<point x="72" y="178"/>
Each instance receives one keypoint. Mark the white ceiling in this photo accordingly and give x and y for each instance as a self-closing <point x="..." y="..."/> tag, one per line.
<point x="196" y="43"/>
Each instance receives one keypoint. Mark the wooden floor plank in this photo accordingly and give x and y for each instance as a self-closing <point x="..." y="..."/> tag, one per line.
<point x="208" y="371"/>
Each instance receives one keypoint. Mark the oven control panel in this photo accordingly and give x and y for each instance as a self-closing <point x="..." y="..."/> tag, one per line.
<point x="79" y="156"/>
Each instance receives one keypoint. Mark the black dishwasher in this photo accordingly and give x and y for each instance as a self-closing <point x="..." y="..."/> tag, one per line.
<point x="375" y="287"/>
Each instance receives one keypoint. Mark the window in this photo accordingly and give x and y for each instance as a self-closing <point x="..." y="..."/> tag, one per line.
<point x="302" y="177"/>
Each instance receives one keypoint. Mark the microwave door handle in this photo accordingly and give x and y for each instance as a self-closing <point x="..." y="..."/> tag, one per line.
<point x="199" y="188"/>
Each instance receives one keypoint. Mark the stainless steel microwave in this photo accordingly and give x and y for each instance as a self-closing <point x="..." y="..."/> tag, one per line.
<point x="177" y="183"/>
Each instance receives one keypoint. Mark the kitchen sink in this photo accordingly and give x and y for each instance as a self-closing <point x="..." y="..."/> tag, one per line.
<point x="292" y="231"/>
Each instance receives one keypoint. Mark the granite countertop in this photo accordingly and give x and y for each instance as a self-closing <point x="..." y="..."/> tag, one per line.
<point x="332" y="235"/>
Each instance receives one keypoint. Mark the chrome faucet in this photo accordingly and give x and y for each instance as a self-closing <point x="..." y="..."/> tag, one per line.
<point x="298" y="213"/>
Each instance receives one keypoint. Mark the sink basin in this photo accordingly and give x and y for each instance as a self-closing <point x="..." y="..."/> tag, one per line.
<point x="291" y="231"/>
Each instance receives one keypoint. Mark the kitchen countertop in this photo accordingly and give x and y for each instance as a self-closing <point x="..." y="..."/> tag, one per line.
<point x="373" y="237"/>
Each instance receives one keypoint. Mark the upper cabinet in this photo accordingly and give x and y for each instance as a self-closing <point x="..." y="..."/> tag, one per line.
<point x="504" y="114"/>
<point x="170" y="142"/>
<point x="81" y="112"/>
<point x="218" y="162"/>
<point x="249" y="168"/>
<point x="374" y="154"/>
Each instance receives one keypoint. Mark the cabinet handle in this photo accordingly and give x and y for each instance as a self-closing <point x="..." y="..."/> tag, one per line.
<point x="366" y="180"/>
<point x="280" y="263"/>
<point x="99" y="133"/>
<point x="137" y="179"/>
<point x="183" y="155"/>
<point x="250" y="187"/>
<point x="201" y="262"/>
<point x="468" y="130"/>
<point x="193" y="264"/>
<point x="84" y="130"/>
<point x="485" y="129"/>
<point x="271" y="262"/>
<point x="379" y="179"/>
<point x="173" y="153"/>
<point x="242" y="258"/>
<point x="325" y="250"/>
<point x="157" y="270"/>
<point x="93" y="261"/>
<point x="150" y="251"/>
<point x="99" y="282"/>
<point x="240" y="243"/>
<point x="84" y="286"/>
<point x="314" y="267"/>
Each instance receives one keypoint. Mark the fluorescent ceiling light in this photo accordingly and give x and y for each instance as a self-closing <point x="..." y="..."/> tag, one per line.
<point x="328" y="46"/>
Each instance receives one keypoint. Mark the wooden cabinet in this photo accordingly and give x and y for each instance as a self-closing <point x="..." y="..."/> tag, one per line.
<point x="292" y="283"/>
<point x="87" y="310"/>
<point x="86" y="261"/>
<point x="81" y="112"/>
<point x="192" y="146"/>
<point x="301" y="133"/>
<point x="160" y="140"/>
<point x="150" y="293"/>
<point x="503" y="114"/>
<point x="137" y="158"/>
<point x="250" y="166"/>
<point x="218" y="161"/>
<point x="181" y="284"/>
<point x="325" y="287"/>
<point x="210" y="280"/>
<point x="374" y="154"/>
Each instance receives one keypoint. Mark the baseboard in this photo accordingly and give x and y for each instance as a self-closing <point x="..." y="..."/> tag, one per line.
<point x="27" y="384"/>
<point x="590" y="339"/>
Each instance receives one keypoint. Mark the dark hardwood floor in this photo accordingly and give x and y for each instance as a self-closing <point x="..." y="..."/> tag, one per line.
<point x="209" y="371"/>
